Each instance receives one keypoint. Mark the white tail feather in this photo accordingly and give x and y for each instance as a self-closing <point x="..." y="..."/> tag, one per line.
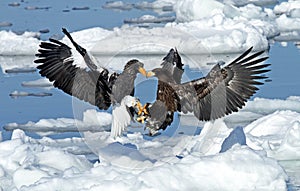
<point x="120" y="120"/>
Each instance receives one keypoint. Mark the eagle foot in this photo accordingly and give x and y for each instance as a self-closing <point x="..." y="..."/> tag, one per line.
<point x="142" y="109"/>
<point x="141" y="119"/>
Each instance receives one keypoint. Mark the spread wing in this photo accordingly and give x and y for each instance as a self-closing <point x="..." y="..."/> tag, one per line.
<point x="223" y="90"/>
<point x="90" y="84"/>
<point x="172" y="63"/>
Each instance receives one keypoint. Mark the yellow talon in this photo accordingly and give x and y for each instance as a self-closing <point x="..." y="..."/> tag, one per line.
<point x="139" y="106"/>
<point x="142" y="109"/>
<point x="145" y="109"/>
<point x="141" y="119"/>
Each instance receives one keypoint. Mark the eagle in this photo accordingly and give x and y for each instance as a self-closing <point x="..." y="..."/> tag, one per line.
<point x="94" y="83"/>
<point x="222" y="91"/>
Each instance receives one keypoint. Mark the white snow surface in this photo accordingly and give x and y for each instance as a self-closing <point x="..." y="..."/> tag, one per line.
<point x="287" y="7"/>
<point x="27" y="165"/>
<point x="13" y="44"/>
<point x="141" y="164"/>
<point x="91" y="122"/>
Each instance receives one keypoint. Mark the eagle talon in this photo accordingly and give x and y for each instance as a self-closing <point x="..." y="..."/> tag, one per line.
<point x="142" y="109"/>
<point x="141" y="119"/>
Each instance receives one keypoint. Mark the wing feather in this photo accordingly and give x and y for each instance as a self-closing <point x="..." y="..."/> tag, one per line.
<point x="223" y="90"/>
<point x="56" y="63"/>
<point x="172" y="63"/>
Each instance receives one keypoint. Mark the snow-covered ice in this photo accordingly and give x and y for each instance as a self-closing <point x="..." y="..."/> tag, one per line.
<point x="277" y="133"/>
<point x="42" y="82"/>
<point x="13" y="44"/>
<point x="92" y="121"/>
<point x="16" y="94"/>
<point x="29" y="165"/>
<point x="139" y="163"/>
<point x="219" y="27"/>
<point x="225" y="25"/>
<point x="149" y="19"/>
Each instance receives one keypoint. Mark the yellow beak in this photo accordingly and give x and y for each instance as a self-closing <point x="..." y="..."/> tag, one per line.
<point x="150" y="74"/>
<point x="143" y="71"/>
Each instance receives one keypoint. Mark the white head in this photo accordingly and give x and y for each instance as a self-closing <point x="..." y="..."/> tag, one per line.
<point x="130" y="101"/>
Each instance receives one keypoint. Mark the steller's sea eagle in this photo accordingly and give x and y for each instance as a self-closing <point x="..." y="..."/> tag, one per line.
<point x="224" y="89"/>
<point x="93" y="84"/>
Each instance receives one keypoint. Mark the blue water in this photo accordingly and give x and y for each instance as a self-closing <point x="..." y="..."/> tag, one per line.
<point x="284" y="73"/>
<point x="54" y="18"/>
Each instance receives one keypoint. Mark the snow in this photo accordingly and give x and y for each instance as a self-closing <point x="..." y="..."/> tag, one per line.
<point x="189" y="10"/>
<point x="31" y="166"/>
<point x="13" y="44"/>
<point x="255" y="2"/>
<point x="200" y="26"/>
<point x="42" y="82"/>
<point x="286" y="24"/>
<point x="149" y="19"/>
<point x="286" y="7"/>
<point x="16" y="62"/>
<point x="91" y="122"/>
<point x="120" y="5"/>
<point x="24" y="164"/>
<point x="16" y="94"/>
<point x="277" y="133"/>
<point x="161" y="6"/>
<point x="139" y="163"/>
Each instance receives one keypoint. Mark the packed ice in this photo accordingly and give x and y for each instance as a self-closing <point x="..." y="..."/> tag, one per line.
<point x="143" y="163"/>
<point x="237" y="27"/>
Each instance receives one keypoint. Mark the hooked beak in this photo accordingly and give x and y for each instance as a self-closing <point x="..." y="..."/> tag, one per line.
<point x="143" y="71"/>
<point x="150" y="74"/>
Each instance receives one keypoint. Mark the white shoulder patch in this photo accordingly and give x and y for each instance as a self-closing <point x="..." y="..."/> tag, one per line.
<point x="120" y="120"/>
<point x="78" y="59"/>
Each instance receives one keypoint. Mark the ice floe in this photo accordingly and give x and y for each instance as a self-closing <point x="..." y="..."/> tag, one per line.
<point x="138" y="162"/>
<point x="118" y="5"/>
<point x="218" y="25"/>
<point x="28" y="164"/>
<point x="286" y="7"/>
<point x="14" y="4"/>
<point x="5" y="24"/>
<point x="149" y="19"/>
<point x="13" y="44"/>
<point x="20" y="70"/>
<point x="92" y="121"/>
<point x="277" y="133"/>
<point x="255" y="2"/>
<point x="222" y="24"/>
<point x="272" y="121"/>
<point x="161" y="6"/>
<point x="16" y="94"/>
<point x="42" y="82"/>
